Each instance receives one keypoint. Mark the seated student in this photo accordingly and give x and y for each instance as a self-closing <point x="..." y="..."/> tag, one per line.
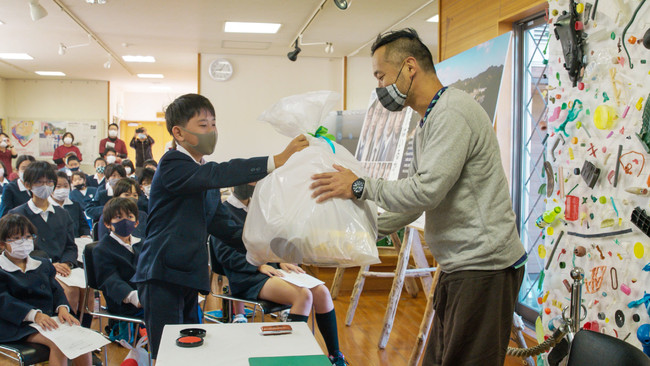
<point x="116" y="256"/>
<point x="250" y="282"/>
<point x="110" y="155"/>
<point x="3" y="176"/>
<point x="55" y="227"/>
<point x="29" y="292"/>
<point x="72" y="165"/>
<point x="237" y="202"/>
<point x="61" y="197"/>
<point x="15" y="193"/>
<point x="94" y="207"/>
<point x="126" y="188"/>
<point x="97" y="179"/>
<point x="81" y="193"/>
<point x="145" y="181"/>
<point x="130" y="168"/>
<point x="150" y="163"/>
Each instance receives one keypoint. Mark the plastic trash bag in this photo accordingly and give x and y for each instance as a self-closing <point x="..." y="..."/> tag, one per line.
<point x="137" y="355"/>
<point x="284" y="223"/>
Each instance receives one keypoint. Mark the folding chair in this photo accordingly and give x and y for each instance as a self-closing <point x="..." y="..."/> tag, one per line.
<point x="25" y="353"/>
<point x="592" y="348"/>
<point x="91" y="285"/>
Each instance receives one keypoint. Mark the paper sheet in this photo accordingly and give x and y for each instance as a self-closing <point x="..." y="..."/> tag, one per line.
<point x="81" y="244"/>
<point x="73" y="341"/>
<point x="301" y="279"/>
<point x="75" y="279"/>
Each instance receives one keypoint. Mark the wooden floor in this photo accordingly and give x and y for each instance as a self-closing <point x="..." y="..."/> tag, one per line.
<point x="359" y="341"/>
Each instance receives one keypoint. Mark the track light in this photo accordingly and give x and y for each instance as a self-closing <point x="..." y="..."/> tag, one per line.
<point x="342" y="4"/>
<point x="293" y="55"/>
<point x="107" y="64"/>
<point x="36" y="10"/>
<point x="62" y="49"/>
<point x="329" y="47"/>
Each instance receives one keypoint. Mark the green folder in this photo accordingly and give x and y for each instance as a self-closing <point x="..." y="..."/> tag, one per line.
<point x="313" y="360"/>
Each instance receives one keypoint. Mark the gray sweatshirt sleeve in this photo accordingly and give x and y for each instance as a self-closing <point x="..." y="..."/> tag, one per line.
<point x="446" y="144"/>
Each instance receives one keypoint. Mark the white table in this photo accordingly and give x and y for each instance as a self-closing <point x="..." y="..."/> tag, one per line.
<point x="233" y="344"/>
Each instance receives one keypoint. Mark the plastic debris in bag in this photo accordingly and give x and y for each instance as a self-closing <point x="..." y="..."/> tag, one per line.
<point x="284" y="223"/>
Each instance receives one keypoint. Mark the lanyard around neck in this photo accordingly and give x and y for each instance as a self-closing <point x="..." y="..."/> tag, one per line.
<point x="432" y="104"/>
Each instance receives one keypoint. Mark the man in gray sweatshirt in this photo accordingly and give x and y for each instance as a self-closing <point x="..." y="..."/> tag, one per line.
<point x="457" y="179"/>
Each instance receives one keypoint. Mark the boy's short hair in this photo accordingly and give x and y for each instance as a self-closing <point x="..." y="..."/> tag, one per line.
<point x="118" y="205"/>
<point x="38" y="170"/>
<point x="14" y="224"/>
<point x="147" y="174"/>
<point x="181" y="110"/>
<point x="243" y="191"/>
<point x="124" y="186"/>
<point x="109" y="149"/>
<point x="150" y="162"/>
<point x="72" y="158"/>
<point x="111" y="168"/>
<point x="22" y="158"/>
<point x="79" y="173"/>
<point x="99" y="159"/>
<point x="60" y="174"/>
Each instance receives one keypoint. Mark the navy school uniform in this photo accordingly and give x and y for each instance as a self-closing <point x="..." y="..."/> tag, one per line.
<point x="173" y="264"/>
<point x="13" y="197"/>
<point x="139" y="231"/>
<point x="76" y="213"/>
<point x="77" y="196"/>
<point x="114" y="267"/>
<point x="95" y="206"/>
<point x="91" y="181"/>
<point x="54" y="237"/>
<point x="21" y="292"/>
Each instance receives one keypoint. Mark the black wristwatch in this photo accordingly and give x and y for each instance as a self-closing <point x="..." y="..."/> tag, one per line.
<point x="357" y="187"/>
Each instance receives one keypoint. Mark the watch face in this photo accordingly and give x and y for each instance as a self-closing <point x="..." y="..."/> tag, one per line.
<point x="220" y="69"/>
<point x="357" y="187"/>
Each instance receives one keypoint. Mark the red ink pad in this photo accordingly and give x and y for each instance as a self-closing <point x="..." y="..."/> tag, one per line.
<point x="189" y="341"/>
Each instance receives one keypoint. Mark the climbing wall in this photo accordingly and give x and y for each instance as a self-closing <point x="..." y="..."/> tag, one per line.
<point x="597" y="165"/>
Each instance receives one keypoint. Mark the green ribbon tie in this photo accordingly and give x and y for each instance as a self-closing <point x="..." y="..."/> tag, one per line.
<point x="328" y="137"/>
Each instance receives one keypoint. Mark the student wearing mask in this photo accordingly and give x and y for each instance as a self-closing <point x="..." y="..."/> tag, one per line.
<point x="61" y="198"/>
<point x="80" y="192"/>
<point x="29" y="292"/>
<point x="150" y="163"/>
<point x="71" y="165"/>
<point x="127" y="188"/>
<point x="97" y="179"/>
<point x="130" y="169"/>
<point x="63" y="151"/>
<point x="173" y="266"/>
<point x="455" y="151"/>
<point x="15" y="193"/>
<point x="111" y="156"/>
<point x="3" y="176"/>
<point x="116" y="256"/>
<point x="113" y="142"/>
<point x="55" y="227"/>
<point x="142" y="143"/>
<point x="7" y="152"/>
<point x="145" y="182"/>
<point x="94" y="207"/>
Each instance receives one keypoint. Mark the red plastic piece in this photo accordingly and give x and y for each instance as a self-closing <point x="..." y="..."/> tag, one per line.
<point x="571" y="210"/>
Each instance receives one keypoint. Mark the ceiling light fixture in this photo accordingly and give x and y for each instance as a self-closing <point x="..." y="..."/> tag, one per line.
<point x="63" y="49"/>
<point x="50" y="73"/>
<point x="249" y="27"/>
<point x="434" y="19"/>
<point x="342" y="4"/>
<point x="100" y="2"/>
<point x="138" y="58"/>
<point x="151" y="76"/>
<point x="15" y="56"/>
<point x="36" y="10"/>
<point x="293" y="55"/>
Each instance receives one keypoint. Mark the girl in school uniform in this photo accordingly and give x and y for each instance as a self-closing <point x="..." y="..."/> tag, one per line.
<point x="114" y="172"/>
<point x="61" y="198"/>
<point x="129" y="168"/>
<point x="3" y="176"/>
<point x="15" y="193"/>
<point x="55" y="227"/>
<point x="29" y="292"/>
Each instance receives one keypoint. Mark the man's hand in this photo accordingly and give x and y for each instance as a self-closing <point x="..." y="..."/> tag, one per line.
<point x="298" y="143"/>
<point x="334" y="184"/>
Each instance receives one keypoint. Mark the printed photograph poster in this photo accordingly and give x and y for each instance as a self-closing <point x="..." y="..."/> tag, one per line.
<point x="85" y="138"/>
<point x="24" y="136"/>
<point x="50" y="137"/>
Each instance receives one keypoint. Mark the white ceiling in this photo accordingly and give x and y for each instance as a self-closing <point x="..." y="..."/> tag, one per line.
<point x="175" y="31"/>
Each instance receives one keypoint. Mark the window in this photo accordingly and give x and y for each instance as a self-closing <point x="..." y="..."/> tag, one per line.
<point x="529" y="143"/>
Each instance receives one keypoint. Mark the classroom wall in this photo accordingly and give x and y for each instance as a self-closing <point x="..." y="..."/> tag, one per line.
<point x="3" y="109"/>
<point x="257" y="83"/>
<point x="360" y="82"/>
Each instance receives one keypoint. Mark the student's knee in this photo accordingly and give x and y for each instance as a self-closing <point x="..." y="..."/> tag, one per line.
<point x="320" y="293"/>
<point x="304" y="296"/>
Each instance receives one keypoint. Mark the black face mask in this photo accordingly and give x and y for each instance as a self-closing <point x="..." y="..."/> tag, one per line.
<point x="80" y="186"/>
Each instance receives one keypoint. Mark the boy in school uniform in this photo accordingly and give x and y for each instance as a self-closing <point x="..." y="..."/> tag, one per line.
<point x="116" y="256"/>
<point x="15" y="193"/>
<point x="81" y="192"/>
<point x="173" y="266"/>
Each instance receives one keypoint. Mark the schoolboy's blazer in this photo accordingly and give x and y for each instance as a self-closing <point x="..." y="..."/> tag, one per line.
<point x="175" y="249"/>
<point x="76" y="196"/>
<point x="12" y="197"/>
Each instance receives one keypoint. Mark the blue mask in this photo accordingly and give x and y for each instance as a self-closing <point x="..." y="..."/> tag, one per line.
<point x="123" y="227"/>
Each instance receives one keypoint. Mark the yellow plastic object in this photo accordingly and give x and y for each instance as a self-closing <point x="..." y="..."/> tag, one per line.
<point x="571" y="156"/>
<point x="574" y="140"/>
<point x="639" y="250"/>
<point x="639" y="104"/>
<point x="541" y="250"/>
<point x="604" y="117"/>
<point x="580" y="8"/>
<point x="549" y="230"/>
<point x="539" y="330"/>
<point x="607" y="223"/>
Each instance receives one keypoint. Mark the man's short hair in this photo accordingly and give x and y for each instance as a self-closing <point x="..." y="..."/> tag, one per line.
<point x="404" y="43"/>
<point x="119" y="205"/>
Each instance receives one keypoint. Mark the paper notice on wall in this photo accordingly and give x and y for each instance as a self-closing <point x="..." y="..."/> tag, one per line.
<point x="50" y="137"/>
<point x="73" y="340"/>
<point x="85" y="138"/>
<point x="24" y="137"/>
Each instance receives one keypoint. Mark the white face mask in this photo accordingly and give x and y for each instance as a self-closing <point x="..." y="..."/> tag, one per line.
<point x="111" y="159"/>
<point x="67" y="140"/>
<point x="61" y="194"/>
<point x="128" y="170"/>
<point x="112" y="133"/>
<point x="147" y="190"/>
<point x="20" y="249"/>
<point x="2" y="174"/>
<point x="142" y="136"/>
<point x="42" y="192"/>
<point x="113" y="181"/>
<point x="3" y="144"/>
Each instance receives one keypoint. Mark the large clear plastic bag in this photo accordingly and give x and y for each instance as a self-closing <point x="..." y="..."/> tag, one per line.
<point x="284" y="223"/>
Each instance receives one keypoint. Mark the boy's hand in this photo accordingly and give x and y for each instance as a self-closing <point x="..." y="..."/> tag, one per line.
<point x="45" y="321"/>
<point x="62" y="269"/>
<point x="66" y="317"/>
<point x="291" y="268"/>
<point x="298" y="143"/>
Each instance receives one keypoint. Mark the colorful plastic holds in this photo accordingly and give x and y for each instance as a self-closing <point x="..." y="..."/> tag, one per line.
<point x="604" y="117"/>
<point x="639" y="250"/>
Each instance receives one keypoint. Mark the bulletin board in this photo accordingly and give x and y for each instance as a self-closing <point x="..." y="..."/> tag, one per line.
<point x="596" y="167"/>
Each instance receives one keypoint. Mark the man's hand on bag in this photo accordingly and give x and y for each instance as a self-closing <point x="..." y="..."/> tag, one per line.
<point x="333" y="185"/>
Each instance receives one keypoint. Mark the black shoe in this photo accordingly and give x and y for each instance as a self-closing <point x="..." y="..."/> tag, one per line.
<point x="96" y="360"/>
<point x="338" y="359"/>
